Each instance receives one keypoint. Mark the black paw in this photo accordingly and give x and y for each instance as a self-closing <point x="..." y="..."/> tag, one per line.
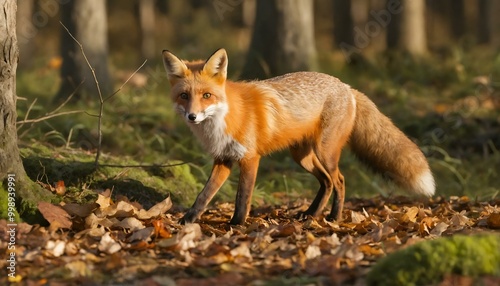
<point x="190" y="216"/>
<point x="237" y="221"/>
<point x="301" y="216"/>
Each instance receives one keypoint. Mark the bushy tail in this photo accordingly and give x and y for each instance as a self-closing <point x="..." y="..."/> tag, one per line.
<point x="385" y="148"/>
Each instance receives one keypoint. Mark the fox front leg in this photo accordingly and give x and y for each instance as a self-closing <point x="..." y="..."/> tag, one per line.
<point x="220" y="173"/>
<point x="248" y="174"/>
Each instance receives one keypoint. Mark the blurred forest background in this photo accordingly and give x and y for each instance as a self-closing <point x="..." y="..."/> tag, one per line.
<point x="432" y="66"/>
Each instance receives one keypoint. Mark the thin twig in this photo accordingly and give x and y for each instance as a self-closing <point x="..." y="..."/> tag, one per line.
<point x="143" y="166"/>
<point x="118" y="90"/>
<point x="90" y="114"/>
<point x="101" y="107"/>
<point x="67" y="99"/>
<point x="49" y="116"/>
<point x="101" y="100"/>
<point x="19" y="123"/>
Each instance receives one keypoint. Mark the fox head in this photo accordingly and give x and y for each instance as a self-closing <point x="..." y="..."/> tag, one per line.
<point x="198" y="88"/>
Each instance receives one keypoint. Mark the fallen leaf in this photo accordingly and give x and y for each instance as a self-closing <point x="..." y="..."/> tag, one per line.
<point x="357" y="217"/>
<point x="120" y="210"/>
<point x="104" y="199"/>
<point x="79" y="268"/>
<point x="160" y="229"/>
<point x="55" y="215"/>
<point x="493" y="221"/>
<point x="55" y="248"/>
<point x="142" y="234"/>
<point x="78" y="209"/>
<point x="410" y="215"/>
<point x="156" y="210"/>
<point x="439" y="229"/>
<point x="60" y="188"/>
<point x="312" y="251"/>
<point x="241" y="251"/>
<point x="130" y="223"/>
<point x="108" y="244"/>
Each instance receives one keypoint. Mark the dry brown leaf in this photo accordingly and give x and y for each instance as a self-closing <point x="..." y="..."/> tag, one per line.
<point x="493" y="220"/>
<point x="108" y="244"/>
<point x="160" y="229"/>
<point x="79" y="210"/>
<point x="459" y="219"/>
<point x="410" y="215"/>
<point x="79" y="268"/>
<point x="156" y="210"/>
<point x="185" y="239"/>
<point x="55" y="215"/>
<point x="241" y="251"/>
<point x="104" y="199"/>
<point x="439" y="229"/>
<point x="71" y="249"/>
<point x="357" y="217"/>
<point x="142" y="234"/>
<point x="119" y="210"/>
<point x="55" y="248"/>
<point x="130" y="223"/>
<point x="312" y="251"/>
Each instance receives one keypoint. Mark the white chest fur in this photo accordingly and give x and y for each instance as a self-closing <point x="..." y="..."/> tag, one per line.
<point x="212" y="134"/>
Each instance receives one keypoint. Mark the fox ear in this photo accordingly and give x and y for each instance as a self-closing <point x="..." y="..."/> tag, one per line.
<point x="174" y="66"/>
<point x="216" y="65"/>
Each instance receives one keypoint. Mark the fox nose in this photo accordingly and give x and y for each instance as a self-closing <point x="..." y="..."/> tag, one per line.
<point x="192" y="116"/>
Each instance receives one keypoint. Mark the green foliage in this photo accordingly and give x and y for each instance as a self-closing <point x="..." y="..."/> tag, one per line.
<point x="4" y="212"/>
<point x="428" y="262"/>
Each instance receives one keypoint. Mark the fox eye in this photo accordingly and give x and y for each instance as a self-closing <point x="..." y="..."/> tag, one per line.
<point x="184" y="95"/>
<point x="206" y="95"/>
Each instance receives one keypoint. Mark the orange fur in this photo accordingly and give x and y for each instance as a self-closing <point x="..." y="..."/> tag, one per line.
<point x="314" y="115"/>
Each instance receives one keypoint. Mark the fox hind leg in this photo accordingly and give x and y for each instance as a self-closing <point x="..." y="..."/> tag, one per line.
<point x="304" y="155"/>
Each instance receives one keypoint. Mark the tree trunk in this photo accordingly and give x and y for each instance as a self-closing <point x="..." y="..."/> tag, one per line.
<point x="343" y="27"/>
<point x="457" y="18"/>
<point x="282" y="39"/>
<point x="494" y="24"/>
<point x="147" y="21"/>
<point x="483" y="27"/>
<point x="412" y="31"/>
<point x="27" y="194"/>
<point x="87" y="22"/>
<point x="378" y="42"/>
<point x="26" y="31"/>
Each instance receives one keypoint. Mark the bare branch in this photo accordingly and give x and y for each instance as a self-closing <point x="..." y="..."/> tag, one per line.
<point x="27" y="114"/>
<point x="101" y="100"/>
<point x="143" y="166"/>
<point x="49" y="116"/>
<point x="118" y="90"/>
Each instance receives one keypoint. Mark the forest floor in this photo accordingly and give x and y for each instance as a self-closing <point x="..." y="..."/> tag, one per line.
<point x="117" y="242"/>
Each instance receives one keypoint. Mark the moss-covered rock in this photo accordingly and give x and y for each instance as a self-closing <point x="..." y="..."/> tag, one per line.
<point x="428" y="262"/>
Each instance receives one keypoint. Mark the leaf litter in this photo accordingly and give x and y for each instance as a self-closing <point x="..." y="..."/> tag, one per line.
<point x="120" y="242"/>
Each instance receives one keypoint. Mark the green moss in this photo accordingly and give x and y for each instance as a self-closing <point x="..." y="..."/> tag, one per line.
<point x="4" y="212"/>
<point x="429" y="261"/>
<point x="147" y="185"/>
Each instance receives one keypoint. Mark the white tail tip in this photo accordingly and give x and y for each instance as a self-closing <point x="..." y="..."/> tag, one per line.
<point x="424" y="184"/>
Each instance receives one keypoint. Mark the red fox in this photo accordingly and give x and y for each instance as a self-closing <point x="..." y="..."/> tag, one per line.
<point x="313" y="114"/>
